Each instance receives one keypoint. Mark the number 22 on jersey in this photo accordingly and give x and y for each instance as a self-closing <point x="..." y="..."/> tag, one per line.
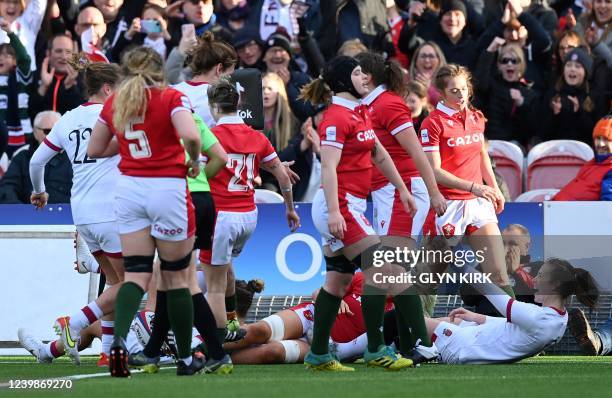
<point x="142" y="149"/>
<point x="238" y="162"/>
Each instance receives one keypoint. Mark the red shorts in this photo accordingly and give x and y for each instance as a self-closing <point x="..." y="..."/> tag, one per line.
<point x="352" y="209"/>
<point x="390" y="217"/>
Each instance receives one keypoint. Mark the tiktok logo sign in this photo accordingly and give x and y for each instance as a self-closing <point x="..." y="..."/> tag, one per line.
<point x="250" y="105"/>
<point x="315" y="251"/>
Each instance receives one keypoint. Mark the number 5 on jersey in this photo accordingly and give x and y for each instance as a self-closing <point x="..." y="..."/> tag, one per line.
<point x="142" y="149"/>
<point x="238" y="162"/>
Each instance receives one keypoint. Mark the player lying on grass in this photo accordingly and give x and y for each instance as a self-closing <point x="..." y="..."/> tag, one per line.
<point x="465" y="337"/>
<point x="285" y="336"/>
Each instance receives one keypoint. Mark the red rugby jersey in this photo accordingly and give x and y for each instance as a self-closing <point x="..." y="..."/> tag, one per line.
<point x="346" y="126"/>
<point x="232" y="189"/>
<point x="151" y="147"/>
<point x="389" y="115"/>
<point x="348" y="327"/>
<point x="459" y="137"/>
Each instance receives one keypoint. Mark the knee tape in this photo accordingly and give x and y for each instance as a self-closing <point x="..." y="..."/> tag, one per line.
<point x="138" y="264"/>
<point x="175" y="265"/>
<point x="340" y="264"/>
<point x="277" y="326"/>
<point x="292" y="350"/>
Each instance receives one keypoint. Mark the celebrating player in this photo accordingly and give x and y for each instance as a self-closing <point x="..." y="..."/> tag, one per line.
<point x="453" y="139"/>
<point x="92" y="208"/>
<point x="153" y="208"/>
<point x="233" y="193"/>
<point x="392" y="123"/>
<point x="348" y="149"/>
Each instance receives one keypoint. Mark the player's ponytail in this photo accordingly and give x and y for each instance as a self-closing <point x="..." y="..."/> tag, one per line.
<point x="575" y="281"/>
<point x="244" y="295"/>
<point x="384" y="72"/>
<point x="316" y="92"/>
<point x="224" y="95"/>
<point x="95" y="74"/>
<point x="143" y="68"/>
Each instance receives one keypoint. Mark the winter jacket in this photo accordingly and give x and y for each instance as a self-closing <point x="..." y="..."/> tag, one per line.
<point x="593" y="181"/>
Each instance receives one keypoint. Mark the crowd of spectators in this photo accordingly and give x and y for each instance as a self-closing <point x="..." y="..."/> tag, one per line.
<point x="541" y="68"/>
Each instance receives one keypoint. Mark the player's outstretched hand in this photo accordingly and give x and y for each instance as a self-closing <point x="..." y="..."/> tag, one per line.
<point x="293" y="176"/>
<point x="466" y="315"/>
<point x="344" y="309"/>
<point x="293" y="220"/>
<point x="336" y="225"/>
<point x="39" y="200"/>
<point x="438" y="203"/>
<point x="408" y="202"/>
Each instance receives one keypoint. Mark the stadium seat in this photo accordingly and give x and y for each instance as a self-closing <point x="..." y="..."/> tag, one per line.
<point x="553" y="164"/>
<point x="265" y="196"/>
<point x="509" y="163"/>
<point x="537" y="195"/>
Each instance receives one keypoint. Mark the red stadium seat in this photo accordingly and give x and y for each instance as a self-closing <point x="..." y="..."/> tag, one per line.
<point x="509" y="163"/>
<point x="553" y="164"/>
<point x="537" y="195"/>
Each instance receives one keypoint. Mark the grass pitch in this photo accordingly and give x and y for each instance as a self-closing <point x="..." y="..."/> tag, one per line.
<point x="552" y="376"/>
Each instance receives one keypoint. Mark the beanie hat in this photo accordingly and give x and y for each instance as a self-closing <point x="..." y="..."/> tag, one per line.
<point x="453" y="5"/>
<point x="337" y="75"/>
<point x="244" y="36"/>
<point x="583" y="58"/>
<point x="280" y="38"/>
<point x="603" y="128"/>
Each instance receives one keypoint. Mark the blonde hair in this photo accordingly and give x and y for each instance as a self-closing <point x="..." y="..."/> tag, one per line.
<point x="450" y="71"/>
<point x="283" y="118"/>
<point x="517" y="51"/>
<point x="352" y="47"/>
<point x="441" y="59"/>
<point x="143" y="68"/>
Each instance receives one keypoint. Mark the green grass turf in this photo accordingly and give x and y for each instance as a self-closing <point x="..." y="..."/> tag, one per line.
<point x="553" y="376"/>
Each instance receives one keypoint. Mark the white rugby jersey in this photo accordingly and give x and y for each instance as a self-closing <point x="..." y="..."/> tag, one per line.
<point x="93" y="180"/>
<point x="526" y="331"/>
<point x="197" y="94"/>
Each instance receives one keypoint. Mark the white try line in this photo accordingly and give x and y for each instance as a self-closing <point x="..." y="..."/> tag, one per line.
<point x="87" y="376"/>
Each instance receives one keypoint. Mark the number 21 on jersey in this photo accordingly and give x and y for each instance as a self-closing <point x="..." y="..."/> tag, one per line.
<point x="142" y="149"/>
<point x="238" y="162"/>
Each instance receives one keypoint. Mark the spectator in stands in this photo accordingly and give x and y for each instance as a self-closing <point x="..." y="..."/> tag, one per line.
<point x="343" y="20"/>
<point x="518" y="26"/>
<point x="25" y="21"/>
<point x="3" y="139"/>
<point x="426" y="61"/>
<point x="15" y="185"/>
<point x="15" y="76"/>
<point x="91" y="29"/>
<point x="199" y="13"/>
<point x="150" y="30"/>
<point x="567" y="41"/>
<point x="352" y="47"/>
<point x="56" y="85"/>
<point x="232" y="14"/>
<point x="570" y="107"/>
<point x="278" y="59"/>
<point x="521" y="271"/>
<point x="396" y="18"/>
<point x="594" y="28"/>
<point x="504" y="95"/>
<point x="594" y="179"/>
<point x="449" y="29"/>
<point x="416" y="99"/>
<point x="539" y="9"/>
<point x="249" y="47"/>
<point x="591" y="342"/>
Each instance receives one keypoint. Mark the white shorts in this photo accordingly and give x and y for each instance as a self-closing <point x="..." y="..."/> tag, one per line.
<point x="448" y="342"/>
<point x="305" y="312"/>
<point x="231" y="233"/>
<point x="391" y="219"/>
<point x="101" y="238"/>
<point x="163" y="204"/>
<point x="463" y="217"/>
<point x="352" y="210"/>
